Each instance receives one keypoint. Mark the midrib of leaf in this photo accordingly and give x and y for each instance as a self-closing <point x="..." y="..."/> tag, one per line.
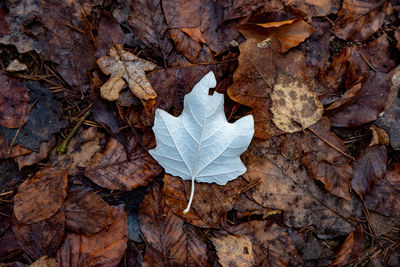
<point x="197" y="158"/>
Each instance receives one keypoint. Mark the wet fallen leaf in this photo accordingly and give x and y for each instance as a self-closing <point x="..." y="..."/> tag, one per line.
<point x="384" y="196"/>
<point x="87" y="213"/>
<point x="41" y="196"/>
<point x="80" y="150"/>
<point x="294" y="106"/>
<point x="366" y="104"/>
<point x="148" y="23"/>
<point x="351" y="248"/>
<point x="105" y="248"/>
<point x="232" y="250"/>
<point x="112" y="168"/>
<point x="271" y="244"/>
<point x="285" y="185"/>
<point x="369" y="168"/>
<point x="35" y="157"/>
<point x="14" y="101"/>
<point x="15" y="151"/>
<point x="40" y="238"/>
<point x="178" y="243"/>
<point x="109" y="32"/>
<point x="213" y="201"/>
<point x="358" y="20"/>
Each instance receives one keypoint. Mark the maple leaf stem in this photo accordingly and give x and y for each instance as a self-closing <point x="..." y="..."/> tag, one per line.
<point x="191" y="198"/>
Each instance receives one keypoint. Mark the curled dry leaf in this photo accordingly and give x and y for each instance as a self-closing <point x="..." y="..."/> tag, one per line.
<point x="40" y="238"/>
<point x="179" y="244"/>
<point x="294" y="106"/>
<point x="234" y="251"/>
<point x="41" y="196"/>
<point x="87" y="213"/>
<point x="105" y="248"/>
<point x="35" y="157"/>
<point x="113" y="169"/>
<point x="126" y="67"/>
<point x="14" y="101"/>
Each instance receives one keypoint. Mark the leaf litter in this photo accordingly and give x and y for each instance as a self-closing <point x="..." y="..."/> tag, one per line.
<point x="316" y="192"/>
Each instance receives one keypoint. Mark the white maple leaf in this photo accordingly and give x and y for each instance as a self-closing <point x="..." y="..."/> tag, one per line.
<point x="200" y="144"/>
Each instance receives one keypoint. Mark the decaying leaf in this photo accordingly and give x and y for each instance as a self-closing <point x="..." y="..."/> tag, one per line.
<point x="45" y="261"/>
<point x="351" y="248"/>
<point x="87" y="213"/>
<point x="177" y="243"/>
<point x="105" y="248"/>
<point x="236" y="251"/>
<point x="125" y="67"/>
<point x="41" y="196"/>
<point x="295" y="107"/>
<point x="40" y="238"/>
<point x="114" y="169"/>
<point x="200" y="145"/>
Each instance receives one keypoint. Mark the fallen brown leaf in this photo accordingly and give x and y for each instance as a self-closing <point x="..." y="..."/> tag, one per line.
<point x="271" y="244"/>
<point x="109" y="32"/>
<point x="14" y="100"/>
<point x="369" y="168"/>
<point x="114" y="169"/>
<point x="41" y="196"/>
<point x="105" y="248"/>
<point x="87" y="213"/>
<point x="384" y="196"/>
<point x="351" y="248"/>
<point x="211" y="209"/>
<point x="285" y="185"/>
<point x="40" y="238"/>
<point x="390" y="123"/>
<point x="358" y="20"/>
<point x="232" y="250"/>
<point x="126" y="67"/>
<point x="15" y="151"/>
<point x="312" y="8"/>
<point x="294" y="106"/>
<point x="35" y="157"/>
<point x="178" y="243"/>
<point x="147" y="21"/>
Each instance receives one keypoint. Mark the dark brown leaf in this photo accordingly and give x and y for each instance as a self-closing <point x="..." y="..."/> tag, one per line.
<point x="312" y="8"/>
<point x="41" y="196"/>
<point x="113" y="169"/>
<point x="366" y="105"/>
<point x="351" y="248"/>
<point x="184" y="44"/>
<point x="40" y="238"/>
<point x="105" y="248"/>
<point x="211" y="201"/>
<point x="358" y="19"/>
<point x="147" y="21"/>
<point x="369" y="168"/>
<point x="384" y="197"/>
<point x="87" y="213"/>
<point x="16" y="150"/>
<point x="35" y="157"/>
<point x="14" y="101"/>
<point x="109" y="32"/>
<point x="272" y="244"/>
<point x="285" y="185"/>
<point x="68" y="41"/>
<point x="152" y="258"/>
<point x="178" y="244"/>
